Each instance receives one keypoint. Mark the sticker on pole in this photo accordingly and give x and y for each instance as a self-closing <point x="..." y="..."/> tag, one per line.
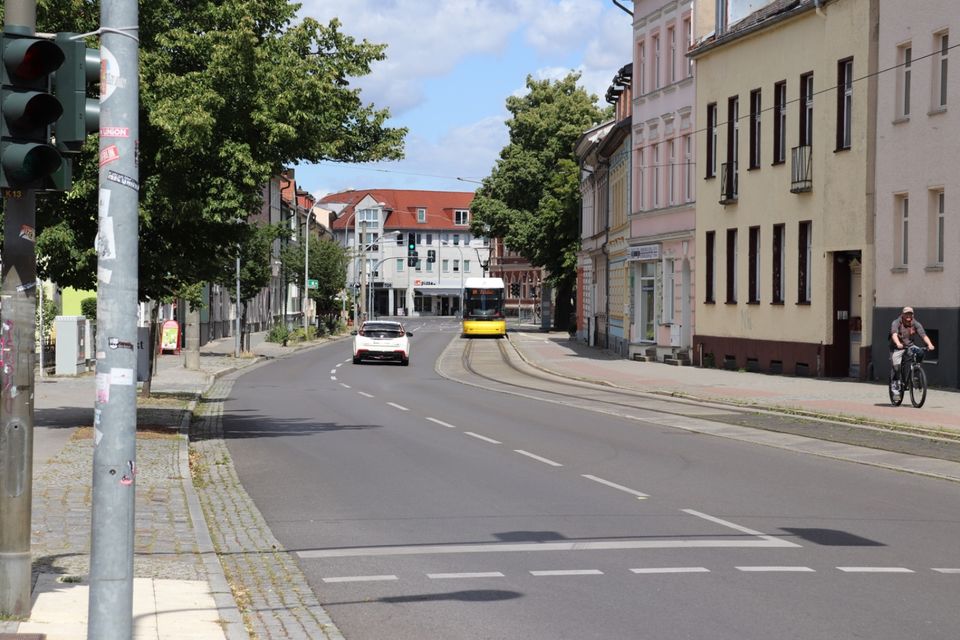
<point x="110" y="79"/>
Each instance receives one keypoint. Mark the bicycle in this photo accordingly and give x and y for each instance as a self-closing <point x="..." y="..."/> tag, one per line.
<point x="912" y="378"/>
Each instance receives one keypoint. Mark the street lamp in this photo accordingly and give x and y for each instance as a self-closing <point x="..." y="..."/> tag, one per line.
<point x="460" y="251"/>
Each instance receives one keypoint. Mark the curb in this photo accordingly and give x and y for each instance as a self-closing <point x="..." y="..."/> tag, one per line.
<point x="232" y="621"/>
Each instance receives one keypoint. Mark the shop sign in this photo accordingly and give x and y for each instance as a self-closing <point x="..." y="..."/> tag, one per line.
<point x="645" y="252"/>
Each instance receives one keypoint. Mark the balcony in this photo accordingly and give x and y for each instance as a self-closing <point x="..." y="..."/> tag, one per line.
<point x="728" y="183"/>
<point x="801" y="169"/>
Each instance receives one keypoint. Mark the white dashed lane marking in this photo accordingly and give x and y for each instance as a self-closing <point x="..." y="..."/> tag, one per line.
<point x="567" y="572"/>
<point x="442" y="423"/>
<point x="480" y="437"/>
<point x="478" y="574"/>
<point x="947" y="570"/>
<point x="646" y="570"/>
<point x="398" y="406"/>
<point x="619" y="487"/>
<point x="763" y="569"/>
<point x="361" y="579"/>
<point x="875" y="570"/>
<point x="365" y="394"/>
<point x="345" y="386"/>
<point x="538" y="458"/>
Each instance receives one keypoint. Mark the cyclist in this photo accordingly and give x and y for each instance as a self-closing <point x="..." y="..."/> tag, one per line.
<point x="903" y="333"/>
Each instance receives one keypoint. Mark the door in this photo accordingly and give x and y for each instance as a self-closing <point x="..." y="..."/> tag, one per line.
<point x="838" y="355"/>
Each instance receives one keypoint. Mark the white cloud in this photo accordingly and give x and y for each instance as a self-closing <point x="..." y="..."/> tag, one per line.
<point x="555" y="26"/>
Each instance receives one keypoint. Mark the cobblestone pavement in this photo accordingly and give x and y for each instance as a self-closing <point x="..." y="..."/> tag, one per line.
<point x="165" y="544"/>
<point x="270" y="590"/>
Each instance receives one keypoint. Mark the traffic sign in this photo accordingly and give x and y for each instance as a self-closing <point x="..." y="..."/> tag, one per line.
<point x="313" y="283"/>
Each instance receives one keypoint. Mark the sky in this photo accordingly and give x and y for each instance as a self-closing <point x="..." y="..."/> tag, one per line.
<point x="450" y="66"/>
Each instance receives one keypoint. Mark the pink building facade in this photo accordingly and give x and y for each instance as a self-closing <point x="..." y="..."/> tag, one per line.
<point x="662" y="220"/>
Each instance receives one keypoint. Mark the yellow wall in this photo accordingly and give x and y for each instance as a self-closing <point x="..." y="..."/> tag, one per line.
<point x="838" y="202"/>
<point x="70" y="300"/>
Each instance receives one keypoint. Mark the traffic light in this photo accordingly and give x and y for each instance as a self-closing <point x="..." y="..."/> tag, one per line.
<point x="81" y="114"/>
<point x="411" y="244"/>
<point x="413" y="260"/>
<point x="431" y="256"/>
<point x="515" y="289"/>
<point x="27" y="158"/>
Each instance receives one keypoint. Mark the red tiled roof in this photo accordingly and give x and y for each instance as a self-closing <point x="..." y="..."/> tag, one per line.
<point x="402" y="205"/>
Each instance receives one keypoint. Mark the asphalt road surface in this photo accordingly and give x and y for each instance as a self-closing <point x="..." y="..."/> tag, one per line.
<point x="464" y="497"/>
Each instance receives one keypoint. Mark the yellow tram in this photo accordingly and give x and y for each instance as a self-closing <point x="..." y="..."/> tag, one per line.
<point x="483" y="307"/>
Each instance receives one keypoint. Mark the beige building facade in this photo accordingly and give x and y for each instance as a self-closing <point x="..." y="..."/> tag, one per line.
<point x="784" y="233"/>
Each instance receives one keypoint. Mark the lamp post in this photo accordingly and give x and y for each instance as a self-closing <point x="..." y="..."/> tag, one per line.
<point x="306" y="281"/>
<point x="236" y="342"/>
<point x="460" y="251"/>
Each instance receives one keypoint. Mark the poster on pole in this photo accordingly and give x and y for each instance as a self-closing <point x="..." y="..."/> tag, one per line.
<point x="170" y="337"/>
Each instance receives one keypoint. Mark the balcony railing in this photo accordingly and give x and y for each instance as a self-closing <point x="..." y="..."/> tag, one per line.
<point x="728" y="182"/>
<point x="801" y="171"/>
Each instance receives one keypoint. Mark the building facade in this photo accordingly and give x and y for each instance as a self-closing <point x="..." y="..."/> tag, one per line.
<point x="376" y="226"/>
<point x="917" y="181"/>
<point x="784" y="230"/>
<point x="662" y="248"/>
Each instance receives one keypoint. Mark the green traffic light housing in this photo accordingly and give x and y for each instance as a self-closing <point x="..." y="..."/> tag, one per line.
<point x="27" y="159"/>
<point x="81" y="114"/>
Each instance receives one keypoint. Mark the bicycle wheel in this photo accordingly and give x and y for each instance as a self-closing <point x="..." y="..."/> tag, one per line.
<point x="918" y="387"/>
<point x="895" y="398"/>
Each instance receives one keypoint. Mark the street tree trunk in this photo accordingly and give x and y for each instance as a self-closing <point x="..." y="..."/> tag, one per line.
<point x="191" y="355"/>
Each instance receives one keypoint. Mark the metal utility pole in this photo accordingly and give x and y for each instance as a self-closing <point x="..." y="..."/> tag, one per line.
<point x="115" y="409"/>
<point x="306" y="281"/>
<point x="17" y="328"/>
<point x="236" y="342"/>
<point x="363" y="274"/>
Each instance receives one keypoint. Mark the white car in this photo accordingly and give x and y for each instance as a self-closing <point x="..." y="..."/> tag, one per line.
<point x="381" y="340"/>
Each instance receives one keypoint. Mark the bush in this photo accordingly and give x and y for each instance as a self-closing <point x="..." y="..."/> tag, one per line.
<point x="88" y="308"/>
<point x="278" y="334"/>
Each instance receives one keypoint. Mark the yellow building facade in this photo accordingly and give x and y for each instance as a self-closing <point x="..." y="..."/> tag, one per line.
<point x="786" y="104"/>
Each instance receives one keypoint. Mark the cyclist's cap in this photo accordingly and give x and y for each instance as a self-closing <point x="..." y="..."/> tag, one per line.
<point x="907" y="310"/>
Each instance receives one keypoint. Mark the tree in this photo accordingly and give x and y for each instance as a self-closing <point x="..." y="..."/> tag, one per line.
<point x="328" y="266"/>
<point x="531" y="199"/>
<point x="231" y="92"/>
<point x="256" y="267"/>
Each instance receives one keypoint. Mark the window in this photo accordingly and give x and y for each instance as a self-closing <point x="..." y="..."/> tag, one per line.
<point x="445" y="266"/>
<point x="466" y="266"/>
<point x="754" y="266"/>
<point x="780" y="122"/>
<point x="938" y="227"/>
<point x="656" y="175"/>
<point x="672" y="55"/>
<point x="905" y="69"/>
<point x="844" y="103"/>
<point x="733" y="148"/>
<point x="902" y="231"/>
<point x="429" y="239"/>
<point x="419" y="266"/>
<point x="672" y="162"/>
<point x="461" y="217"/>
<point x="711" y="140"/>
<point x="805" y="280"/>
<point x="368" y="216"/>
<point x="669" y="291"/>
<point x="456" y="239"/>
<point x="731" y="266"/>
<point x="642" y="77"/>
<point x="421" y="215"/>
<point x="687" y="41"/>
<point x="940" y="71"/>
<point x="779" y="232"/>
<point x="456" y="265"/>
<point x="687" y="168"/>
<point x="656" y="62"/>
<point x="401" y="238"/>
<point x="806" y="109"/>
<point x="400" y="262"/>
<point x="711" y="263"/>
<point x="755" y="109"/>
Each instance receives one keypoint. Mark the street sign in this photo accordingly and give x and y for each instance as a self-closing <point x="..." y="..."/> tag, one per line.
<point x="313" y="283"/>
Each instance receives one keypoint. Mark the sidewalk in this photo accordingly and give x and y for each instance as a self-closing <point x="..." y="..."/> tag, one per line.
<point x="179" y="590"/>
<point x="841" y="400"/>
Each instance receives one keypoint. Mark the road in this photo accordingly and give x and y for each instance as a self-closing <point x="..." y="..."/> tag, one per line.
<point x="465" y="497"/>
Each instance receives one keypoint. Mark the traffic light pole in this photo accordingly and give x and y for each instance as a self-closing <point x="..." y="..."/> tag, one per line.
<point x="115" y="409"/>
<point x="17" y="328"/>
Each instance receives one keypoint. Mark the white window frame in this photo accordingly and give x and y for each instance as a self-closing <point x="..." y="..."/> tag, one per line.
<point x="656" y="61"/>
<point x="846" y="110"/>
<point x="902" y="235"/>
<point x="656" y="176"/>
<point x="937" y="227"/>
<point x="940" y="77"/>
<point x="642" y="79"/>
<point x="688" y="40"/>
<point x="672" y="160"/>
<point x="669" y="291"/>
<point x="904" y="73"/>
<point x="421" y="215"/>
<point x="688" y="168"/>
<point x="461" y="217"/>
<point x="672" y="55"/>
<point x="466" y="266"/>
<point x="445" y="265"/>
<point x="400" y="262"/>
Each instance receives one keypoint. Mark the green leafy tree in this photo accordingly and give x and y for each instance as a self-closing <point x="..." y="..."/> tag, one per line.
<point x="531" y="199"/>
<point x="256" y="267"/>
<point x="328" y="266"/>
<point x="231" y="92"/>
